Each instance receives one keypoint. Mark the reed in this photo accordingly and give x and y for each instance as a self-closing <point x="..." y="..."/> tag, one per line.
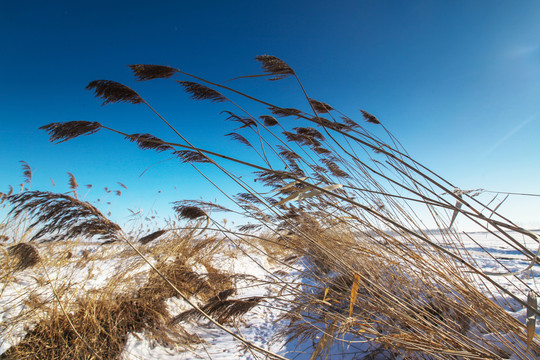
<point x="337" y="201"/>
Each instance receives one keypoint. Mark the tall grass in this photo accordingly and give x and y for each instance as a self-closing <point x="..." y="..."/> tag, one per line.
<point x="341" y="202"/>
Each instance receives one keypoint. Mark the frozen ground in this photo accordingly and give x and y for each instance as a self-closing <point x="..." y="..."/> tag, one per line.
<point x="259" y="325"/>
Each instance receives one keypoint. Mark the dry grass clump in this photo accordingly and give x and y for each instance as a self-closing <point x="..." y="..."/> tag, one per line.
<point x="97" y="330"/>
<point x="99" y="323"/>
<point x="185" y="278"/>
<point x="400" y="302"/>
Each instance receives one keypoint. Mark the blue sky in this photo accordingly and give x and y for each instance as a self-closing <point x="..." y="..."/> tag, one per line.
<point x="457" y="82"/>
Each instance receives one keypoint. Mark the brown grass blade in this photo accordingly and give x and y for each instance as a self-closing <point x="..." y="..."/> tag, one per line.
<point x="354" y="293"/>
<point x="531" y="317"/>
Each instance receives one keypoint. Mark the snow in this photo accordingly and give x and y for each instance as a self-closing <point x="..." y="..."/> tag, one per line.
<point x="259" y="325"/>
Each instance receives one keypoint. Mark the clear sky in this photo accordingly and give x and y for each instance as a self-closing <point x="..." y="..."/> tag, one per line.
<point x="458" y="82"/>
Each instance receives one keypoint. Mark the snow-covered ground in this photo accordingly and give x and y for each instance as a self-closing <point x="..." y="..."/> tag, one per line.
<point x="19" y="295"/>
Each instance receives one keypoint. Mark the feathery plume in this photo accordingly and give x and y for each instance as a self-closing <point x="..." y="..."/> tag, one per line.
<point x="150" y="237"/>
<point x="282" y="112"/>
<point x="26" y="255"/>
<point x="309" y="132"/>
<point x="246" y="122"/>
<point x="63" y="214"/>
<point x="190" y="156"/>
<point x="240" y="138"/>
<point x="320" y="107"/>
<point x="197" y="203"/>
<point x="122" y="185"/>
<point x="288" y="154"/>
<point x="275" y="66"/>
<point x="369" y="117"/>
<point x="27" y="172"/>
<point x="321" y="150"/>
<point x="189" y="212"/>
<point x="201" y="92"/>
<point x="349" y="122"/>
<point x="112" y="92"/>
<point x="268" y="120"/>
<point x="335" y="169"/>
<point x="145" y="72"/>
<point x="73" y="184"/>
<point x="60" y="132"/>
<point x="149" y="141"/>
<point x="221" y="310"/>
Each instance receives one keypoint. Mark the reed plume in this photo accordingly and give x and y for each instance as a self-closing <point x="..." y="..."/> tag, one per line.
<point x="239" y="138"/>
<point x="189" y="212"/>
<point x="27" y="172"/>
<point x="283" y="112"/>
<point x="246" y="121"/>
<point x="320" y="107"/>
<point x="269" y="120"/>
<point x="151" y="237"/>
<point x="113" y="92"/>
<point x="26" y="255"/>
<point x="201" y="92"/>
<point x="145" y="72"/>
<point x="369" y="117"/>
<point x="222" y="310"/>
<point x="73" y="184"/>
<point x="275" y="66"/>
<point x="60" y="132"/>
<point x="190" y="156"/>
<point x="149" y="141"/>
<point x="63" y="214"/>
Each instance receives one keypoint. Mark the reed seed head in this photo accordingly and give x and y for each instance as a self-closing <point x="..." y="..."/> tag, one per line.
<point x="201" y="92"/>
<point x="275" y="66"/>
<point x="112" y="92"/>
<point x="27" y="172"/>
<point x="150" y="237"/>
<point x="320" y="107"/>
<point x="63" y="215"/>
<point x="269" y="120"/>
<point x="149" y="141"/>
<point x="60" y="132"/>
<point x="145" y="72"/>
<point x="189" y="212"/>
<point x="26" y="255"/>
<point x="369" y="117"/>
<point x="189" y="156"/>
